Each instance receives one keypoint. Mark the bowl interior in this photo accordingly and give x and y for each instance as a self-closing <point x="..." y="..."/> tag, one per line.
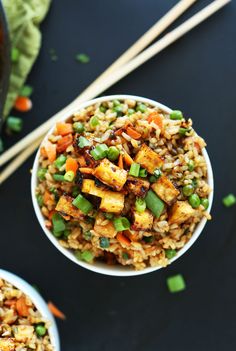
<point x="38" y="302"/>
<point x="102" y="267"/>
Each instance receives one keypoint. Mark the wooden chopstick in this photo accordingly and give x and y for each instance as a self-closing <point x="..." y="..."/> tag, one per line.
<point x="135" y="49"/>
<point x="143" y="57"/>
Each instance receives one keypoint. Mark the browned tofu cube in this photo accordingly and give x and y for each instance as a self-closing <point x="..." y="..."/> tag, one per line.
<point x="142" y="220"/>
<point x="110" y="174"/>
<point x="148" y="159"/>
<point x="180" y="212"/>
<point x="7" y="344"/>
<point x="106" y="230"/>
<point x="166" y="190"/>
<point x="138" y="186"/>
<point x="65" y="207"/>
<point x="112" y="202"/>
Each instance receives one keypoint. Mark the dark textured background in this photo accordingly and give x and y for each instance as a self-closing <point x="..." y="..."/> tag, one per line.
<point x="197" y="75"/>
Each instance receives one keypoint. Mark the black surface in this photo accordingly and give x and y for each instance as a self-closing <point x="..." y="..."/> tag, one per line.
<point x="196" y="74"/>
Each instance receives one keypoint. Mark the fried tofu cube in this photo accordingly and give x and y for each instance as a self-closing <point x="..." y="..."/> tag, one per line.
<point x="23" y="333"/>
<point x="138" y="186"/>
<point x="180" y="212"/>
<point x="107" y="230"/>
<point x="142" y="220"/>
<point x="7" y="344"/>
<point x="148" y="159"/>
<point x="110" y="174"/>
<point x="112" y="202"/>
<point x="166" y="190"/>
<point x="65" y="207"/>
<point x="89" y="187"/>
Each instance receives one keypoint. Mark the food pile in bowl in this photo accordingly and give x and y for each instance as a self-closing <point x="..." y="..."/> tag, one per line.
<point x="21" y="325"/>
<point x="123" y="182"/>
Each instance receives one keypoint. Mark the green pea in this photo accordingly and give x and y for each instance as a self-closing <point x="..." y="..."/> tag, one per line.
<point x="141" y="107"/>
<point x="131" y="111"/>
<point x="176" y="114"/>
<point x="188" y="190"/>
<point x="116" y="103"/>
<point x="194" y="200"/>
<point x="78" y="127"/>
<point x="40" y="330"/>
<point x="119" y="110"/>
<point x="125" y="255"/>
<point x="170" y="253"/>
<point x="205" y="203"/>
<point x="102" y="109"/>
<point x="152" y="179"/>
<point x="191" y="165"/>
<point x="41" y="173"/>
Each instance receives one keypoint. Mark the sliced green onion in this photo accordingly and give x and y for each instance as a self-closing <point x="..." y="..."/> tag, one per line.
<point x="83" y="204"/>
<point x="78" y="127"/>
<point x="229" y="200"/>
<point x="40" y="200"/>
<point x="170" y="253"/>
<point x="69" y="176"/>
<point x="99" y="152"/>
<point x="15" y="124"/>
<point x="194" y="200"/>
<point x="134" y="169"/>
<point x="141" y="107"/>
<point x="102" y="109"/>
<point x="188" y="190"/>
<point x="154" y="203"/>
<point x="82" y="58"/>
<point x="191" y="165"/>
<point x="40" y="330"/>
<point x="41" y="173"/>
<point x="75" y="191"/>
<point x="118" y="109"/>
<point x="152" y="179"/>
<point x="87" y="235"/>
<point x="1" y="145"/>
<point x="60" y="161"/>
<point x="121" y="223"/>
<point x="83" y="142"/>
<point x="104" y="243"/>
<point x="140" y="205"/>
<point x="184" y="131"/>
<point x="176" y="114"/>
<point x="15" y="55"/>
<point x="131" y="111"/>
<point x="205" y="203"/>
<point x="94" y="121"/>
<point x="26" y="91"/>
<point x="125" y="255"/>
<point x="58" y="177"/>
<point x="176" y="283"/>
<point x="113" y="153"/>
<point x="157" y="173"/>
<point x="109" y="215"/>
<point x="143" y="173"/>
<point x="87" y="256"/>
<point x="148" y="239"/>
<point x="58" y="224"/>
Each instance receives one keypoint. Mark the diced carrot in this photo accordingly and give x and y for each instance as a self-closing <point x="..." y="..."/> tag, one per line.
<point x="55" y="311"/>
<point x="51" y="150"/>
<point x="43" y="152"/>
<point x="128" y="159"/>
<point x="71" y="165"/>
<point x="23" y="104"/>
<point x="47" y="197"/>
<point x="133" y="236"/>
<point x="120" y="162"/>
<point x="86" y="170"/>
<point x="64" y="142"/>
<point x="64" y="128"/>
<point x="82" y="161"/>
<point x="156" y="118"/>
<point x="10" y="303"/>
<point x="21" y="307"/>
<point x="122" y="239"/>
<point x="197" y="146"/>
<point x="133" y="133"/>
<point x="51" y="213"/>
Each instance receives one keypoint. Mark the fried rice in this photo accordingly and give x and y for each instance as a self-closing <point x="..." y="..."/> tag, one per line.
<point x="22" y="328"/>
<point x="123" y="182"/>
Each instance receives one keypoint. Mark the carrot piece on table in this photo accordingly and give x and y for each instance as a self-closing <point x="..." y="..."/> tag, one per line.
<point x="21" y="307"/>
<point x="156" y="118"/>
<point x="46" y="197"/>
<point x="64" y="142"/>
<point x="120" y="162"/>
<point x="133" y="133"/>
<point x="86" y="170"/>
<point x="128" y="159"/>
<point x="64" y="128"/>
<point x="23" y="104"/>
<point x="122" y="239"/>
<point x="51" y="150"/>
<point x="71" y="165"/>
<point x="55" y="311"/>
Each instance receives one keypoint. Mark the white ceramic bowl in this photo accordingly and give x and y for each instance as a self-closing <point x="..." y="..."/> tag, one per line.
<point x="38" y="302"/>
<point x="102" y="267"/>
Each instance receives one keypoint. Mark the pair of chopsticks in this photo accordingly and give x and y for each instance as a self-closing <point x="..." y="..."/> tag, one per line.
<point x="126" y="63"/>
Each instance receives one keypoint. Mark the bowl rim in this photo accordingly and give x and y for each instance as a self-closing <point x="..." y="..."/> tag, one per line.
<point x="37" y="300"/>
<point x="102" y="268"/>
